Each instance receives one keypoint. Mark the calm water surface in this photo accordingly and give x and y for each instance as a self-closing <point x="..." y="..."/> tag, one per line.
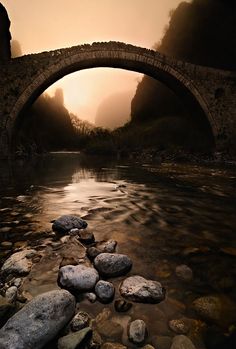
<point x="161" y="216"/>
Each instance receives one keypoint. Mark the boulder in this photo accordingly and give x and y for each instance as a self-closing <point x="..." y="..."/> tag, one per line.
<point x="79" y="277"/>
<point x="105" y="291"/>
<point x="182" y="342"/>
<point x="137" y="332"/>
<point x="19" y="263"/>
<point x="39" y="321"/>
<point x="111" y="265"/>
<point x="75" y="340"/>
<point x="138" y="289"/>
<point x="67" y="222"/>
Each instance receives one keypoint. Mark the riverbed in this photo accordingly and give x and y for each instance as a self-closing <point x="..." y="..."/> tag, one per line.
<point x="161" y="215"/>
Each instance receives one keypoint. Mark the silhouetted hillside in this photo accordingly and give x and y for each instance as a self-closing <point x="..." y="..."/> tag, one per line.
<point x="114" y="111"/>
<point x="47" y="125"/>
<point x="201" y="32"/>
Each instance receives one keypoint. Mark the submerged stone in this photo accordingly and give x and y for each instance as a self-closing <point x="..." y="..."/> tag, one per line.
<point x="137" y="332"/>
<point x="182" y="342"/>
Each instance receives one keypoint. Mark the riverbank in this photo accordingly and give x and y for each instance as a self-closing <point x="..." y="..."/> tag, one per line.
<point x="162" y="217"/>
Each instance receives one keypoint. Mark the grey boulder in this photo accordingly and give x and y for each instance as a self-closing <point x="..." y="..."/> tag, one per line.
<point x="39" y="321"/>
<point x="79" y="277"/>
<point x="111" y="265"/>
<point x="67" y="222"/>
<point x="138" y="289"/>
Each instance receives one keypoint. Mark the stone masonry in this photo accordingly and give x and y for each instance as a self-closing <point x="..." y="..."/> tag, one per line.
<point x="211" y="91"/>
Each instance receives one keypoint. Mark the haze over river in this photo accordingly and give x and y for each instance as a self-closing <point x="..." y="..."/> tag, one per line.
<point x="161" y="216"/>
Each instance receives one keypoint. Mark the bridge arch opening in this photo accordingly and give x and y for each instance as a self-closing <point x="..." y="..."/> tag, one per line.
<point x="165" y="73"/>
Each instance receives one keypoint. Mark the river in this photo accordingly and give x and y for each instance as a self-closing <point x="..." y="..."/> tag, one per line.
<point x="161" y="216"/>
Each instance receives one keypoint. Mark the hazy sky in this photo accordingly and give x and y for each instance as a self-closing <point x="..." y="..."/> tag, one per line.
<point x="41" y="25"/>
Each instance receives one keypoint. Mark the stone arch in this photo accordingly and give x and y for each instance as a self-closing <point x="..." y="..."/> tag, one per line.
<point x="125" y="57"/>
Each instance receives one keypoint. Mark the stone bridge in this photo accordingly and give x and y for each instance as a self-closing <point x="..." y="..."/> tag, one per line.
<point x="208" y="92"/>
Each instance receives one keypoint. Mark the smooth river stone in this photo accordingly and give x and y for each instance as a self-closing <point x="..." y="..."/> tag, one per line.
<point x="138" y="289"/>
<point x="111" y="265"/>
<point x="39" y="321"/>
<point x="137" y="332"/>
<point x="182" y="342"/>
<point x="105" y="291"/>
<point x="67" y="222"/>
<point x="19" y="263"/>
<point x="78" y="277"/>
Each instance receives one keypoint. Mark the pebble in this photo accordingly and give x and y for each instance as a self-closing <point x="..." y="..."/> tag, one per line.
<point x="111" y="265"/>
<point x="11" y="294"/>
<point x="122" y="305"/>
<point x="182" y="342"/>
<point x="39" y="321"/>
<point x="111" y="345"/>
<point x="184" y="273"/>
<point x="73" y="340"/>
<point x="179" y="326"/>
<point x="79" y="277"/>
<point x="141" y="290"/>
<point x="105" y="291"/>
<point x="137" y="332"/>
<point x="86" y="237"/>
<point x="80" y="321"/>
<point x="91" y="297"/>
<point x="6" y="245"/>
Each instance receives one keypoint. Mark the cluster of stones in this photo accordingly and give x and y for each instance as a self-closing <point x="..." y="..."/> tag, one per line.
<point x="56" y="313"/>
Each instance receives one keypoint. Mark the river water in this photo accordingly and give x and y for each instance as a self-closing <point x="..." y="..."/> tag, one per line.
<point x="160" y="215"/>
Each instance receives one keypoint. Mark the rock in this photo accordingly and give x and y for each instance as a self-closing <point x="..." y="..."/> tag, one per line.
<point x="78" y="277"/>
<point x="19" y="263"/>
<point x="101" y="247"/>
<point x="110" y="329"/>
<point x="91" y="297"/>
<point x="74" y="232"/>
<point x="137" y="332"/>
<point x="182" y="342"/>
<point x="39" y="321"/>
<point x="11" y="294"/>
<point x="75" y="339"/>
<point x="229" y="250"/>
<point x="80" y="321"/>
<point x="5" y="307"/>
<point x="68" y="261"/>
<point x="138" y="289"/>
<point x="111" y="345"/>
<point x="148" y="346"/>
<point x="111" y="265"/>
<point x="96" y="341"/>
<point x="122" y="305"/>
<point x="103" y="316"/>
<point x="217" y="309"/>
<point x="162" y="342"/>
<point x="6" y="245"/>
<point x="5" y="230"/>
<point x="17" y="282"/>
<point x="105" y="291"/>
<point x="180" y="326"/>
<point x="86" y="236"/>
<point x="65" y="223"/>
<point x="184" y="273"/>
